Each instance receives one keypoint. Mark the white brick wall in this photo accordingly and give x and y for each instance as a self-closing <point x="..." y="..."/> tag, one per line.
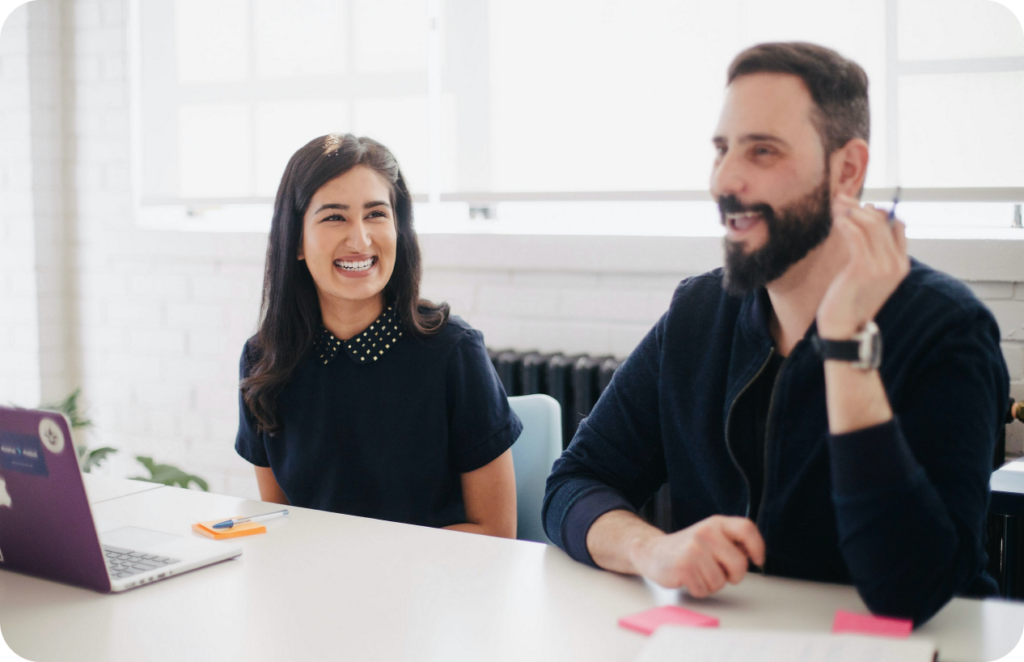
<point x="20" y="379"/>
<point x="54" y="256"/>
<point x="594" y="313"/>
<point x="158" y="319"/>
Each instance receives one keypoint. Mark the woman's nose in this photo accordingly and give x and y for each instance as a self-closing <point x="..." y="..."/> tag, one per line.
<point x="359" y="236"/>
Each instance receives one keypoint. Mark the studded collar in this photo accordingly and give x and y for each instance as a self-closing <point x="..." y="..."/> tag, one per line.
<point x="365" y="347"/>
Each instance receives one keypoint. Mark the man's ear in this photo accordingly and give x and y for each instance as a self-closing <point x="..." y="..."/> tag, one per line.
<point x="849" y="168"/>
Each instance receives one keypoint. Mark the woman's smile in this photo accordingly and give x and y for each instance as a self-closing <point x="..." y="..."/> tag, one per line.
<point x="356" y="266"/>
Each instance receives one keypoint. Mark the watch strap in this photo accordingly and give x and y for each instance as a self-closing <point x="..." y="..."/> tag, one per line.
<point x="839" y="350"/>
<point x="864" y="351"/>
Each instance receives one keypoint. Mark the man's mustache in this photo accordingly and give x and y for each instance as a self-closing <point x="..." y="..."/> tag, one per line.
<point x="730" y="204"/>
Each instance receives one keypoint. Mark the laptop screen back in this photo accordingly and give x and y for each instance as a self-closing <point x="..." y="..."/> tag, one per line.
<point x="46" y="525"/>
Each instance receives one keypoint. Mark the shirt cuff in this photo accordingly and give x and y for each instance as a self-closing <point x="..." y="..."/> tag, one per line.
<point x="582" y="515"/>
<point x="871" y="459"/>
<point x="488" y="451"/>
<point x="244" y="448"/>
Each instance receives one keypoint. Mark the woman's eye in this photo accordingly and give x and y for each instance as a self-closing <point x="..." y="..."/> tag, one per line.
<point x="334" y="217"/>
<point x="377" y="214"/>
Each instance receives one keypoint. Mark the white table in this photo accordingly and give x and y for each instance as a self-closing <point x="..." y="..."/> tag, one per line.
<point x="321" y="586"/>
<point x="101" y="488"/>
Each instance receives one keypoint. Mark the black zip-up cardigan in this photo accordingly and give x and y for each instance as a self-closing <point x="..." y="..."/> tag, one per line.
<point x="898" y="509"/>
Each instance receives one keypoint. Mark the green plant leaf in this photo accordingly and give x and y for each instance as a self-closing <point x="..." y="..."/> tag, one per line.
<point x="69" y="407"/>
<point x="169" y="475"/>
<point x="95" y="457"/>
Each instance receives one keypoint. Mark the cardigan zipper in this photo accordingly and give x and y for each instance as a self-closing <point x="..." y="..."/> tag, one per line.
<point x="767" y="438"/>
<point x="728" y="423"/>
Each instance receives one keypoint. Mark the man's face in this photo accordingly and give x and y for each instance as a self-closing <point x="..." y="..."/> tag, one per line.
<point x="770" y="178"/>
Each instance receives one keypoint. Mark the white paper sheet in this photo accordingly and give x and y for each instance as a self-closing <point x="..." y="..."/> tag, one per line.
<point x="677" y="644"/>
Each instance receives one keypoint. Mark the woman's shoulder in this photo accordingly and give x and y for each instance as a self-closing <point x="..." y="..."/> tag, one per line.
<point x="454" y="331"/>
<point x="249" y="357"/>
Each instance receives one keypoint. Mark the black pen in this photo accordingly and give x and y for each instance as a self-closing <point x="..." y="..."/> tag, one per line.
<point x="896" y="199"/>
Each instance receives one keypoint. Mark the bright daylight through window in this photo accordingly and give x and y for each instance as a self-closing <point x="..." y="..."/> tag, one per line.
<point x="559" y="116"/>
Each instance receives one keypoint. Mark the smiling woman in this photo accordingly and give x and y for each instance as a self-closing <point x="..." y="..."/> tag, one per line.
<point x="357" y="396"/>
<point x="349" y="242"/>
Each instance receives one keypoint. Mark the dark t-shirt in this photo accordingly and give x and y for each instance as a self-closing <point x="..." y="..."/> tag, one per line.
<point x="382" y="425"/>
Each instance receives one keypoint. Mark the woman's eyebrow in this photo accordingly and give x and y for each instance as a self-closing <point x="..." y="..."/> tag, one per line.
<point x="338" y="205"/>
<point x="331" y="205"/>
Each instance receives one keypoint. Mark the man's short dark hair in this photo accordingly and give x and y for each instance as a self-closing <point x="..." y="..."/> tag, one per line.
<point x="839" y="87"/>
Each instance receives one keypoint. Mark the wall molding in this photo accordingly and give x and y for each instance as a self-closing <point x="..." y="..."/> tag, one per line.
<point x="966" y="259"/>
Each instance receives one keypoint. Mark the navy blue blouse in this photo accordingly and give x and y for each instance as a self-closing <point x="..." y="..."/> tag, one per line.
<point x="383" y="424"/>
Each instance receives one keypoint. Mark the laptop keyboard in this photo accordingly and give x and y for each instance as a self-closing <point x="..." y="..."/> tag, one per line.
<point x="125" y="562"/>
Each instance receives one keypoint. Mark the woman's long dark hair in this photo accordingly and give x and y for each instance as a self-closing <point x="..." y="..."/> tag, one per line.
<point x="290" y="312"/>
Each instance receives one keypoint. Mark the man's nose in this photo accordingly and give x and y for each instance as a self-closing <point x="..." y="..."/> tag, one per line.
<point x="728" y="177"/>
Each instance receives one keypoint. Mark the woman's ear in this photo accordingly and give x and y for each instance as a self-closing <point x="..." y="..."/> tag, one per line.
<point x="849" y="166"/>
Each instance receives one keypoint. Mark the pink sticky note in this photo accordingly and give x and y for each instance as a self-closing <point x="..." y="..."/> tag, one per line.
<point x="877" y="625"/>
<point x="650" y="620"/>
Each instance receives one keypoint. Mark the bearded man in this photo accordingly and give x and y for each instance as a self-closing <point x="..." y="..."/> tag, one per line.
<point x="762" y="396"/>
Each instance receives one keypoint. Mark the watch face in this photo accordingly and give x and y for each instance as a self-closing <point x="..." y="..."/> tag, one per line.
<point x="870" y="347"/>
<point x="876" y="350"/>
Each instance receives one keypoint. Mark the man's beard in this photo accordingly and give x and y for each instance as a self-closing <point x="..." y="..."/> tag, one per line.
<point x="792" y="234"/>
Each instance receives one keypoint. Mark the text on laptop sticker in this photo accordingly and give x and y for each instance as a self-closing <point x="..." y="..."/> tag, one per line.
<point x="22" y="453"/>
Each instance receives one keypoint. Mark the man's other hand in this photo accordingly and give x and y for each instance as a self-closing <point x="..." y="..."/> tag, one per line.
<point x="702" y="557"/>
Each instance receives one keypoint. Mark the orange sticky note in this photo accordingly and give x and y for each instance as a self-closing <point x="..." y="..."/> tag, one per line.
<point x="237" y="531"/>
<point x="880" y="626"/>
<point x="650" y="620"/>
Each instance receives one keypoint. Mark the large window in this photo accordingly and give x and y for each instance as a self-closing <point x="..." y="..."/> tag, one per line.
<point x="561" y="115"/>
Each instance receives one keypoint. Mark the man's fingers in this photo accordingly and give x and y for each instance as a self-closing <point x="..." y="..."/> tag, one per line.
<point x="694" y="582"/>
<point x="856" y="243"/>
<point x="875" y="226"/>
<point x="899" y="233"/>
<point x="842" y="205"/>
<point x="732" y="558"/>
<point x="742" y="531"/>
<point x="886" y="242"/>
<point x="712" y="573"/>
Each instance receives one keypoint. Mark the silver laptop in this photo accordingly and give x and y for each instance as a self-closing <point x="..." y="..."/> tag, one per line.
<point x="46" y="523"/>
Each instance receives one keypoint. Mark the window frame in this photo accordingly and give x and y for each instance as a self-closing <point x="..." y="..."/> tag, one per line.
<point x="237" y="213"/>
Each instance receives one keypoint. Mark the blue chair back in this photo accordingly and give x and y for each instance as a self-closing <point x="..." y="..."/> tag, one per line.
<point x="534" y="452"/>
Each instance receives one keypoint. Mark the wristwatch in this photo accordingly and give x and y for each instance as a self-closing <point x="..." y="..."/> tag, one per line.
<point x="864" y="351"/>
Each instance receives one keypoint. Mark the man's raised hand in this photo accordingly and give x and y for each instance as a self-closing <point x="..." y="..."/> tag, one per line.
<point x="878" y="263"/>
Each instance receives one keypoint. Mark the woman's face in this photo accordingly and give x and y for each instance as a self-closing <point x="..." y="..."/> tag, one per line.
<point x="349" y="237"/>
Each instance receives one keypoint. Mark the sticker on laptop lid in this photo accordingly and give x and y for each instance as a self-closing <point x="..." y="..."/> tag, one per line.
<point x="51" y="435"/>
<point x="22" y="453"/>
<point x="5" y="496"/>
